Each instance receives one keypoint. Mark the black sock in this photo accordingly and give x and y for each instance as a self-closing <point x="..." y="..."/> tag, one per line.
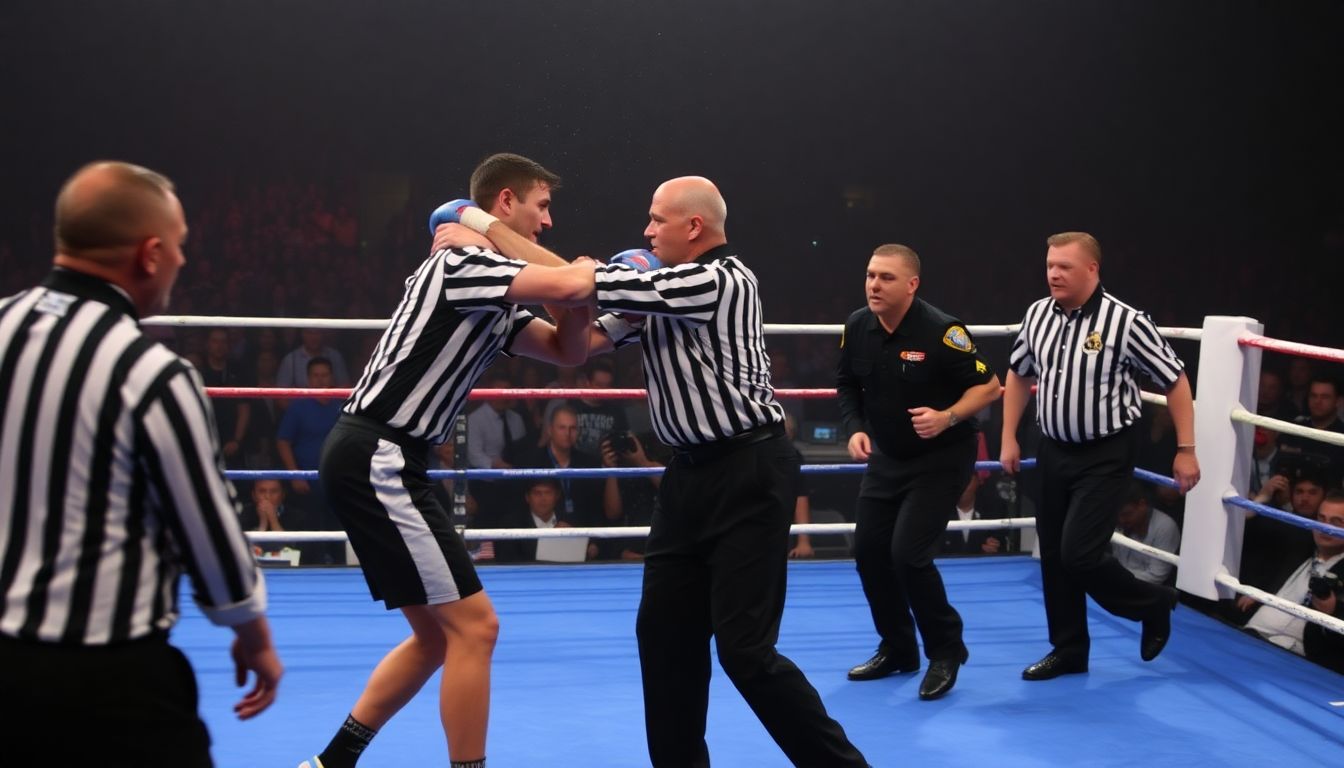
<point x="347" y="745"/>
<point x="468" y="763"/>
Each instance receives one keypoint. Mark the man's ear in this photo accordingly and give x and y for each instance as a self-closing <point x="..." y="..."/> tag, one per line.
<point x="148" y="255"/>
<point x="697" y="227"/>
<point x="505" y="201"/>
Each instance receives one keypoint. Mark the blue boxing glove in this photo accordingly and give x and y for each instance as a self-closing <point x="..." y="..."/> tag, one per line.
<point x="463" y="212"/>
<point x="637" y="259"/>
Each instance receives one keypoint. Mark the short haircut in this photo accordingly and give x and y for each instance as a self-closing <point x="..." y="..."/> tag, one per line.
<point x="1321" y="378"/>
<point x="1088" y="242"/>
<point x="1334" y="496"/>
<point x="319" y="360"/>
<point x="508" y="171"/>
<point x="113" y="215"/>
<point x="559" y="409"/>
<point x="904" y="251"/>
<point x="549" y="482"/>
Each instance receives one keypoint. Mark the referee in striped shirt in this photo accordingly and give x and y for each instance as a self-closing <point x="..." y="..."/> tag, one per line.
<point x="110" y="489"/>
<point x="1084" y="348"/>
<point x="718" y="551"/>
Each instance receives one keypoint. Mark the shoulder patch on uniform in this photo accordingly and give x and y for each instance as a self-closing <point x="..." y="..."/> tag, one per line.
<point x="958" y="339"/>
<point x="980" y="366"/>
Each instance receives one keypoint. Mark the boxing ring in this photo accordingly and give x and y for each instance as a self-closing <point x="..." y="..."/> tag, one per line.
<point x="566" y="685"/>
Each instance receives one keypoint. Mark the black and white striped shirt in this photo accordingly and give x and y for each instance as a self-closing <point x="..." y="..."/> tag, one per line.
<point x="704" y="346"/>
<point x="1085" y="361"/>
<point x="451" y="324"/>
<point x="111" y="482"/>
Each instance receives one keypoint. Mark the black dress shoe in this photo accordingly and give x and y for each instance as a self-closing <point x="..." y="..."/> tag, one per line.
<point x="1052" y="666"/>
<point x="1157" y="629"/>
<point x="940" y="678"/>
<point x="883" y="664"/>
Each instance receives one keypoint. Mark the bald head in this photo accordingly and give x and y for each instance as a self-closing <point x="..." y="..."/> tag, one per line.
<point x="108" y="206"/>
<point x="123" y="224"/>
<point x="696" y="196"/>
<point x="686" y="219"/>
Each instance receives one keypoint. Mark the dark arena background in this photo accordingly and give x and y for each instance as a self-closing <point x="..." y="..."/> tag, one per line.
<point x="1201" y="142"/>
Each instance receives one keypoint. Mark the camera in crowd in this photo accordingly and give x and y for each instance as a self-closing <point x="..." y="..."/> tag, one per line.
<point x="623" y="443"/>
<point x="1322" y="585"/>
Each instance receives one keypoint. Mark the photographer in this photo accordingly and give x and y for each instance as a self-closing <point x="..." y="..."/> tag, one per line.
<point x="1319" y="583"/>
<point x="637" y="497"/>
<point x="1270" y="549"/>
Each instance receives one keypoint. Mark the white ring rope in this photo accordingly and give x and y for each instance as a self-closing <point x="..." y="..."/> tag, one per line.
<point x="1287" y="606"/>
<point x="1287" y="427"/>
<point x="806" y="329"/>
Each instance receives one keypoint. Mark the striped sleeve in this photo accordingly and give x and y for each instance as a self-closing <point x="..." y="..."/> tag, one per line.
<point x="478" y="279"/>
<point x="520" y="320"/>
<point x="199" y="506"/>
<point x="1021" y="360"/>
<point x="687" y="292"/>
<point x="1151" y="353"/>
<point x="621" y="331"/>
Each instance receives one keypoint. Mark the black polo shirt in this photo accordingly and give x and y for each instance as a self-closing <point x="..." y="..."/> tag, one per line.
<point x="930" y="360"/>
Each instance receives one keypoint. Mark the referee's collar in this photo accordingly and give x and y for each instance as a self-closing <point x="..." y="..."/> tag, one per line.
<point x="716" y="253"/>
<point x="90" y="287"/>
<point x="1089" y="307"/>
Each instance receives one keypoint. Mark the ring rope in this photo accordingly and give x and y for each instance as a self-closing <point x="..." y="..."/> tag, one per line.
<point x="1298" y="521"/>
<point x="523" y="473"/>
<point x="1287" y="427"/>
<point x="1274" y="601"/>
<point x="1291" y="347"/>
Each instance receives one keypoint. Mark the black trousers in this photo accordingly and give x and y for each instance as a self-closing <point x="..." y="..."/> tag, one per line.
<point x="130" y="705"/>
<point x="901" y="517"/>
<point x="716" y="566"/>
<point x="1082" y="485"/>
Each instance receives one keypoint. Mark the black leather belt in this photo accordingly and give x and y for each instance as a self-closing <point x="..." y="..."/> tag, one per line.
<point x="705" y="453"/>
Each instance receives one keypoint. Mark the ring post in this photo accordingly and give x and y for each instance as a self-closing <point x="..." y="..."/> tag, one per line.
<point x="1229" y="376"/>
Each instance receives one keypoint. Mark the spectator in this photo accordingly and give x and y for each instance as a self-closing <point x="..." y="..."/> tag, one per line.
<point x="232" y="415"/>
<point x="584" y="503"/>
<point x="638" y="495"/>
<point x="1141" y="522"/>
<point x="598" y="418"/>
<point x="1272" y="548"/>
<point x="1271" y="400"/>
<point x="264" y="415"/>
<point x="492" y="430"/>
<point x="979" y="501"/>
<point x="1322" y="413"/>
<point x="802" y="509"/>
<point x="1265" y="464"/>
<point x="268" y="512"/>
<point x="303" y="429"/>
<point x="1315" y="582"/>
<point x="1299" y="382"/>
<point x="543" y="498"/>
<point x="293" y="371"/>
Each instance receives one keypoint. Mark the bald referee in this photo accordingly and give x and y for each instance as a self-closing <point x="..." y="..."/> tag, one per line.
<point x="110" y="489"/>
<point x="718" y="551"/>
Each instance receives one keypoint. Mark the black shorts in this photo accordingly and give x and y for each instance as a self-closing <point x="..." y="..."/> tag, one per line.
<point x="378" y="486"/>
<point x="129" y="704"/>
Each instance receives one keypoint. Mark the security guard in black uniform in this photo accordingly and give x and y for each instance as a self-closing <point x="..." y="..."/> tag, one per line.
<point x="909" y="381"/>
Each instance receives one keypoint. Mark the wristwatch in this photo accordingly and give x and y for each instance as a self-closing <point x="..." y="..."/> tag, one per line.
<point x="952" y="419"/>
